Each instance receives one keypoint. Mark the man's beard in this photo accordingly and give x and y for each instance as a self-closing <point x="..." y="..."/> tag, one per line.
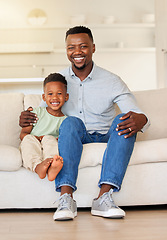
<point x="80" y="68"/>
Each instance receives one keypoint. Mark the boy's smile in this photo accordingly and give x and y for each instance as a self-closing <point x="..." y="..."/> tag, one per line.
<point x="55" y="96"/>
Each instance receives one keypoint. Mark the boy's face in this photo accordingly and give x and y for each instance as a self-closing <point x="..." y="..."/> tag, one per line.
<point x="80" y="49"/>
<point x="55" y="95"/>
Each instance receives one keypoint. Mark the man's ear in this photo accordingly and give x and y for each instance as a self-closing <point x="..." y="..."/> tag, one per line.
<point x="94" y="48"/>
<point x="67" y="97"/>
<point x="43" y="97"/>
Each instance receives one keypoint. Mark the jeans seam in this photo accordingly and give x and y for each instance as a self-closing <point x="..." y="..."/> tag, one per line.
<point x="58" y="186"/>
<point x="110" y="182"/>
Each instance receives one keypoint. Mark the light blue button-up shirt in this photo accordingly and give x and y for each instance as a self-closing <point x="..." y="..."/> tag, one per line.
<point x="93" y="99"/>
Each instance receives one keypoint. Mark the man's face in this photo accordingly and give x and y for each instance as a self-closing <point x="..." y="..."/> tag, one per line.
<point x="79" y="50"/>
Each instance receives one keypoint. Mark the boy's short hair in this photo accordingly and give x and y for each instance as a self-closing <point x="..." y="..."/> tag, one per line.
<point x="79" y="29"/>
<point x="55" y="77"/>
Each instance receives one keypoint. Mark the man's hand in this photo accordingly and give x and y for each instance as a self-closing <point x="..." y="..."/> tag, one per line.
<point x="27" y="118"/>
<point x="133" y="123"/>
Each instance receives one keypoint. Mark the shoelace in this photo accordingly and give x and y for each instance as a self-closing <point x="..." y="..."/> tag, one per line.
<point x="107" y="199"/>
<point x="64" y="201"/>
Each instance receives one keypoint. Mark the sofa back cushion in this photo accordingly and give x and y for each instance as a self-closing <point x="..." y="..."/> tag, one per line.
<point x="152" y="102"/>
<point x="32" y="100"/>
<point x="11" y="105"/>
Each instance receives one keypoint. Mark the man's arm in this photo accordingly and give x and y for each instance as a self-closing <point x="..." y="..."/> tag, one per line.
<point x="133" y="123"/>
<point x="27" y="118"/>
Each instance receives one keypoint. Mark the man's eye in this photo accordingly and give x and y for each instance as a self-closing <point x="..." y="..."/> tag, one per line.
<point x="70" y="48"/>
<point x="84" y="46"/>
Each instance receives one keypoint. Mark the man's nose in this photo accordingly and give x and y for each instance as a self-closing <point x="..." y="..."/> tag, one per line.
<point x="77" y="50"/>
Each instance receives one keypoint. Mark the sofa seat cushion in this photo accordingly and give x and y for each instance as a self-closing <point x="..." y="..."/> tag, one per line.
<point x="149" y="151"/>
<point x="144" y="152"/>
<point x="10" y="158"/>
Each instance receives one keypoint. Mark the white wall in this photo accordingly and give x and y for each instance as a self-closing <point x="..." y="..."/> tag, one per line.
<point x="161" y="42"/>
<point x="14" y="12"/>
<point x="137" y="68"/>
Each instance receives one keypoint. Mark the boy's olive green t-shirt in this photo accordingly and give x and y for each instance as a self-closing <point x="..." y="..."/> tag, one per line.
<point x="47" y="124"/>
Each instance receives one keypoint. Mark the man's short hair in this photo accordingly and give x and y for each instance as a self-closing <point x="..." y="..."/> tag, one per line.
<point x="55" y="77"/>
<point x="79" y="29"/>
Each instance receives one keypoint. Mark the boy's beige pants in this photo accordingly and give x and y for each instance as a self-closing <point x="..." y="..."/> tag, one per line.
<point x="34" y="152"/>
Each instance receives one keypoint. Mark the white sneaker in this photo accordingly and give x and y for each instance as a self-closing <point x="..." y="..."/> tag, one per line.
<point x="104" y="206"/>
<point x="67" y="208"/>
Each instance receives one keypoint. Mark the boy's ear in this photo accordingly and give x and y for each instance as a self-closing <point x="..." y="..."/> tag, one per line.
<point x="67" y="97"/>
<point x="43" y="97"/>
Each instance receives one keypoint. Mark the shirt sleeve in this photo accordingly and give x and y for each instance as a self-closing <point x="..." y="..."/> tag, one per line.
<point x="126" y="102"/>
<point x="146" y="126"/>
<point x="35" y="110"/>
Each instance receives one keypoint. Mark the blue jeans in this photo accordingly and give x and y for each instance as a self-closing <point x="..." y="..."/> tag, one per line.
<point x="72" y="136"/>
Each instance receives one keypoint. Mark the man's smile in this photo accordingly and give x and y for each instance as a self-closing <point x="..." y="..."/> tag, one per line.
<point x="78" y="59"/>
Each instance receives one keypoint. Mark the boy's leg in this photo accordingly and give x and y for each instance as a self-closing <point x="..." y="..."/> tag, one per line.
<point x="50" y="151"/>
<point x="31" y="152"/>
<point x="50" y="146"/>
<point x="32" y="156"/>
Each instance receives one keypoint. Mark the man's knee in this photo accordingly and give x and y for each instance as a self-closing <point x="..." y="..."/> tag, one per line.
<point x="117" y="119"/>
<point x="71" y="123"/>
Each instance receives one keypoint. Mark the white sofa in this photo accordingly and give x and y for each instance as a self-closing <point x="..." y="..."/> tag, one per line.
<point x="145" y="182"/>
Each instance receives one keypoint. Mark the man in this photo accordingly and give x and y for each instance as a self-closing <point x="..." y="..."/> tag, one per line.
<point x="93" y="92"/>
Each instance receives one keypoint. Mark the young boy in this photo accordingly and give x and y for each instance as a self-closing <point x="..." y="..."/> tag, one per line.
<point x="39" y="141"/>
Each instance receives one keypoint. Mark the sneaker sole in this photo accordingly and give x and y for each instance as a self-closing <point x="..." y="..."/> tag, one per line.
<point x="114" y="213"/>
<point x="65" y="215"/>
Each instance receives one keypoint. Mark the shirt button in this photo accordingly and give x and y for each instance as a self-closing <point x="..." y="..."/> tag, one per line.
<point x="80" y="85"/>
<point x="80" y="111"/>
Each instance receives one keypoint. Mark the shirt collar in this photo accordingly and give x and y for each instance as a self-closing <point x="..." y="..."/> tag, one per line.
<point x="90" y="76"/>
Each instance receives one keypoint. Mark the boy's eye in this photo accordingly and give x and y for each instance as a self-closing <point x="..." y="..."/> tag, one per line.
<point x="49" y="93"/>
<point x="59" y="93"/>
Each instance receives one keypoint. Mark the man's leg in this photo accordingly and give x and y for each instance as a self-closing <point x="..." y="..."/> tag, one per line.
<point x="115" y="162"/>
<point x="72" y="136"/>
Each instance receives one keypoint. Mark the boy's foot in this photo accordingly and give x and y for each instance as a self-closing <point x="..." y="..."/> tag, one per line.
<point x="42" y="168"/>
<point x="55" y="167"/>
<point x="104" y="206"/>
<point x="67" y="208"/>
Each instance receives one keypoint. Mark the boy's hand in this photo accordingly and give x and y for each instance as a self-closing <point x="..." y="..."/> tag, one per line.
<point x="27" y="118"/>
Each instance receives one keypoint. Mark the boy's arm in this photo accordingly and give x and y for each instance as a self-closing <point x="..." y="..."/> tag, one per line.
<point x="25" y="131"/>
